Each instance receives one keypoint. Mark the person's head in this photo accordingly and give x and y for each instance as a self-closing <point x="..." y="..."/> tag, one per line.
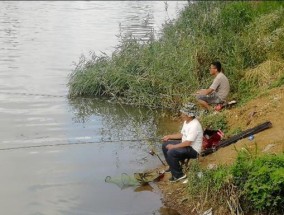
<point x="215" y="67"/>
<point x="188" y="112"/>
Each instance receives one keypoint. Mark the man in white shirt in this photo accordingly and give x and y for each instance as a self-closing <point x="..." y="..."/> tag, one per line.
<point x="219" y="89"/>
<point x="186" y="144"/>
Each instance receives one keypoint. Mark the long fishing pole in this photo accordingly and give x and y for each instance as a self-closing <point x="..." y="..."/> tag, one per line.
<point x="161" y="95"/>
<point x="69" y="144"/>
<point x="152" y="152"/>
<point x="33" y="94"/>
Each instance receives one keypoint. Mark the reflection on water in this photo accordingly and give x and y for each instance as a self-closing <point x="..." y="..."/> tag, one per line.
<point x="119" y="122"/>
<point x="38" y="42"/>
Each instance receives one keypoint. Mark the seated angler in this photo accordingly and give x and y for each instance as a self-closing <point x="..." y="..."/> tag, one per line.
<point x="218" y="91"/>
<point x="184" y="145"/>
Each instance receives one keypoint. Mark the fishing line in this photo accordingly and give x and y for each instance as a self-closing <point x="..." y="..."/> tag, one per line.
<point x="33" y="94"/>
<point x="69" y="144"/>
<point x="66" y="96"/>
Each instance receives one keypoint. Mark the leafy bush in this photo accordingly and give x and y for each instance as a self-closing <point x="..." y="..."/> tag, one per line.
<point x="241" y="167"/>
<point x="265" y="184"/>
<point x="261" y="180"/>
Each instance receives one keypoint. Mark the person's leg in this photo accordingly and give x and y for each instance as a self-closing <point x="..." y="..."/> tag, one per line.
<point x="191" y="153"/>
<point x="203" y="104"/>
<point x="174" y="156"/>
<point x="206" y="100"/>
<point x="203" y="101"/>
<point x="165" y="150"/>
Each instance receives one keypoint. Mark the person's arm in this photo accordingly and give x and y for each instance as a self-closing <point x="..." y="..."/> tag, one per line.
<point x="190" y="137"/>
<point x="205" y="91"/>
<point x="212" y="88"/>
<point x="172" y="137"/>
<point x="180" y="145"/>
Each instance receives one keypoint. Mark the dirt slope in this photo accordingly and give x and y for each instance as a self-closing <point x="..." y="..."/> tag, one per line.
<point x="267" y="107"/>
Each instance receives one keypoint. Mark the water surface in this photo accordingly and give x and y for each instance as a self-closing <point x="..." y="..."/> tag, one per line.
<point x="55" y="152"/>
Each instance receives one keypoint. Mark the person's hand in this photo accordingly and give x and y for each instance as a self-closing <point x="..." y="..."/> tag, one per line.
<point x="170" y="146"/>
<point x="166" y="138"/>
<point x="201" y="92"/>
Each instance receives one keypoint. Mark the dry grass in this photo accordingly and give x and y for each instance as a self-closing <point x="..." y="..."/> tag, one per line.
<point x="265" y="74"/>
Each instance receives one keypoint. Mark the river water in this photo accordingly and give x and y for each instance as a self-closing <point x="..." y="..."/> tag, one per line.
<point x="55" y="152"/>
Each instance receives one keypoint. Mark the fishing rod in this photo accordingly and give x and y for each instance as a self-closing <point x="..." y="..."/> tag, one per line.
<point x="77" y="143"/>
<point x="33" y="94"/>
<point x="152" y="152"/>
<point x="161" y="95"/>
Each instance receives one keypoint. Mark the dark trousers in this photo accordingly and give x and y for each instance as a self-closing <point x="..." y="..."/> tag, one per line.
<point x="174" y="156"/>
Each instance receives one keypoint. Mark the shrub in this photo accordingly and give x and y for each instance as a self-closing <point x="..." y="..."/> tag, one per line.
<point x="261" y="181"/>
<point x="265" y="184"/>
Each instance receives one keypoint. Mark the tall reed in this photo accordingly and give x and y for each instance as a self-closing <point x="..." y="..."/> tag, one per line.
<point x="165" y="72"/>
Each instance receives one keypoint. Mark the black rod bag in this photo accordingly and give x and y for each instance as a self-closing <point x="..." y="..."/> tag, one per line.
<point x="237" y="137"/>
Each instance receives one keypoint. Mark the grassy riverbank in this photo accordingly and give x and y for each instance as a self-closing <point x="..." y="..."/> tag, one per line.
<point x="247" y="37"/>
